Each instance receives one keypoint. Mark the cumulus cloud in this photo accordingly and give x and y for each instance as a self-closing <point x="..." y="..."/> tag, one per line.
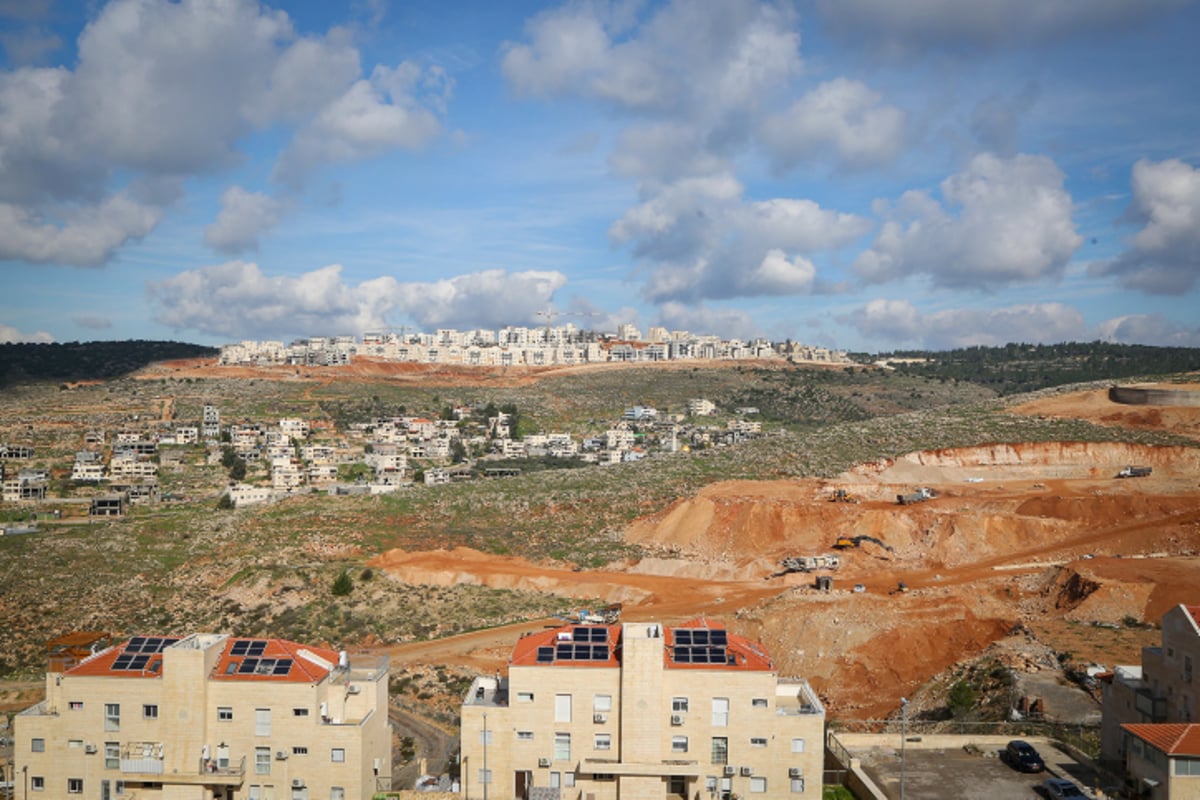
<point x="236" y="299"/>
<point x="1003" y="221"/>
<point x="995" y="121"/>
<point x="901" y="28"/>
<point x="1152" y="329"/>
<point x="706" y="59"/>
<point x="1164" y="256"/>
<point x="10" y="335"/>
<point x="701" y="239"/>
<point x="841" y="118"/>
<point x="891" y="322"/>
<point x="87" y="237"/>
<point x="172" y="89"/>
<point x="244" y="216"/>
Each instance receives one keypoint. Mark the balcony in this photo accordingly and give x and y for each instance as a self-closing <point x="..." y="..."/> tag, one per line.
<point x="144" y="762"/>
<point x="662" y="769"/>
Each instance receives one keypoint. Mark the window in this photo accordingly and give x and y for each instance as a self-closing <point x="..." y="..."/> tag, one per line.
<point x="338" y="755"/>
<point x="112" y="716"/>
<point x="720" y="750"/>
<point x="562" y="747"/>
<point x="524" y="697"/>
<point x="224" y="714"/>
<point x="255" y="792"/>
<point x="300" y="751"/>
<point x="1187" y="767"/>
<point x="300" y="712"/>
<point x="710" y="784"/>
<point x="678" y="744"/>
<point x="555" y="780"/>
<point x="112" y="755"/>
<point x="37" y="745"/>
<point x="262" y="722"/>
<point x="485" y="776"/>
<point x="75" y="705"/>
<point x="720" y="712"/>
<point x="262" y="761"/>
<point x="337" y="793"/>
<point x="524" y="736"/>
<point x="603" y="741"/>
<point x="37" y="783"/>
<point x="562" y="708"/>
<point x="74" y="785"/>
<point x="677" y="785"/>
<point x="797" y="745"/>
<point x="75" y="744"/>
<point x="758" y="702"/>
<point x="679" y="705"/>
<point x="758" y="741"/>
<point x="568" y="780"/>
<point x="149" y="711"/>
<point x="758" y="785"/>
<point x="797" y="785"/>
<point x="602" y="703"/>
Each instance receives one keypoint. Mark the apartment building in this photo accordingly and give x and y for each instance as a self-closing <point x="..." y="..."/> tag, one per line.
<point x="209" y="716"/>
<point x="1163" y="760"/>
<point x="1162" y="689"/>
<point x="641" y="711"/>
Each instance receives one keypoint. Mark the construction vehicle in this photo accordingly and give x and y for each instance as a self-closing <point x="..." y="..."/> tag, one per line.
<point x="919" y="496"/>
<point x="807" y="564"/>
<point x="842" y="496"/>
<point x="847" y="542"/>
<point x="609" y="615"/>
<point x="1135" y="472"/>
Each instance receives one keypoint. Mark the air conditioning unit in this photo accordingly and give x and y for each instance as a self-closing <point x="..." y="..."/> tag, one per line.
<point x="599" y="719"/>
<point x="747" y="771"/>
<point x="281" y="755"/>
<point x="795" y="772"/>
<point x="677" y="719"/>
<point x="353" y="689"/>
<point x="89" y="748"/>
<point x="297" y="783"/>
<point x="731" y="770"/>
<point x="543" y="762"/>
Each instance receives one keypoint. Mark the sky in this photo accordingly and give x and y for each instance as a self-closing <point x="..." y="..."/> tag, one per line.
<point x="867" y="175"/>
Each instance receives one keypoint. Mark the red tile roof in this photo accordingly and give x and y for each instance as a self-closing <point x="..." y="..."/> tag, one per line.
<point x="307" y="664"/>
<point x="744" y="653"/>
<point x="1173" y="738"/>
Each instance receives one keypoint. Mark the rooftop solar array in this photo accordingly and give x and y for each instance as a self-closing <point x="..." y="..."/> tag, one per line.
<point x="566" y="651"/>
<point x="589" y="634"/>
<point x="265" y="666"/>
<point x="131" y="661"/>
<point x="582" y="643"/>
<point x="149" y="644"/>
<point x="700" y="646"/>
<point x="248" y="647"/>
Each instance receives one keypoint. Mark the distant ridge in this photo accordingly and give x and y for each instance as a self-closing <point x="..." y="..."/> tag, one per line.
<point x="28" y="362"/>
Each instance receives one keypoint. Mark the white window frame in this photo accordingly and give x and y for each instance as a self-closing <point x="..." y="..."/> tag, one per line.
<point x="568" y="780"/>
<point x="602" y="703"/>
<point x="262" y="722"/>
<point x="796" y="785"/>
<point x="524" y="697"/>
<point x="524" y="736"/>
<point x="262" y="761"/>
<point x="37" y="783"/>
<point x="679" y="705"/>
<point x="720" y="712"/>
<point x="797" y="744"/>
<point x="74" y="785"/>
<point x="485" y="776"/>
<point x="112" y="716"/>
<point x="149" y="710"/>
<point x="759" y="702"/>
<point x="562" y="746"/>
<point x="300" y="750"/>
<point x="302" y="712"/>
<point x="112" y="755"/>
<point x="758" y="741"/>
<point x="224" y="714"/>
<point x="337" y="755"/>
<point x="337" y="793"/>
<point x="602" y="741"/>
<point x="679" y="744"/>
<point x="37" y="745"/>
<point x="562" y="708"/>
<point x="758" y="785"/>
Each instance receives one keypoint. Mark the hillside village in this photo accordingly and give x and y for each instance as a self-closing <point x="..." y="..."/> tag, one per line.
<point x="267" y="460"/>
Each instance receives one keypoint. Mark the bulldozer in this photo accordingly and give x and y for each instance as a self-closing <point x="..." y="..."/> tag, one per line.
<point x="842" y="496"/>
<point x="848" y="542"/>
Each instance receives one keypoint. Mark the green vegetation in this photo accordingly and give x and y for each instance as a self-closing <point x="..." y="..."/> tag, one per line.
<point x="343" y="584"/>
<point x="73" y="361"/>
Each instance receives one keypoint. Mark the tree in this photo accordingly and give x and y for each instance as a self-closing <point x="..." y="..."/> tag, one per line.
<point x="961" y="699"/>
<point x="343" y="584"/>
<point x="238" y="471"/>
<point x="458" y="451"/>
<point x="226" y="502"/>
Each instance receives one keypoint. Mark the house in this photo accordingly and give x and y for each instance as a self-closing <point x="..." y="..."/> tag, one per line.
<point x="640" y="710"/>
<point x="1162" y="689"/>
<point x="243" y="494"/>
<point x="1164" y="760"/>
<point x="209" y="716"/>
<point x="700" y="407"/>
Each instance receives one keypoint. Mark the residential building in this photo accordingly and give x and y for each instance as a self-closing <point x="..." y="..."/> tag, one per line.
<point x="244" y="494"/>
<point x="641" y="711"/>
<point x="209" y="716"/>
<point x="1164" y="760"/>
<point x="1162" y="689"/>
<point x="700" y="407"/>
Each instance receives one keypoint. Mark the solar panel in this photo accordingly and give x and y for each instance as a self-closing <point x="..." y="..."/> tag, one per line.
<point x="563" y="652"/>
<point x="248" y="666"/>
<point x="139" y="662"/>
<point x="122" y="661"/>
<point x="256" y="648"/>
<point x="239" y="647"/>
<point x="720" y="638"/>
<point x="600" y="652"/>
<point x="135" y="644"/>
<point x="700" y="637"/>
<point x="698" y="654"/>
<point x="545" y="655"/>
<point x="283" y="666"/>
<point x="683" y="636"/>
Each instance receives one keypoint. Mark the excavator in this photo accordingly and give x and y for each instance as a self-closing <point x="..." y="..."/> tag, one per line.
<point x="842" y="496"/>
<point x="848" y="542"/>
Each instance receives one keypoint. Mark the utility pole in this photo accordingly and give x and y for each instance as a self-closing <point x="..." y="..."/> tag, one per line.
<point x="486" y="777"/>
<point x="903" y="736"/>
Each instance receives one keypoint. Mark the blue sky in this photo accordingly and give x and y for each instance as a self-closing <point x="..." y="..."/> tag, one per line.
<point x="861" y="174"/>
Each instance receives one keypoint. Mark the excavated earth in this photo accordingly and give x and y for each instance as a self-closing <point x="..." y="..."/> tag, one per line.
<point x="1021" y="536"/>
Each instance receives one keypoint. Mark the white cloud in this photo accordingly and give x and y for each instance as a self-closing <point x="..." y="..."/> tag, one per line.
<point x="1004" y="221"/>
<point x="236" y="300"/>
<point x="894" y="323"/>
<point x="10" y="335"/>
<point x="841" y="118"/>
<point x="244" y="216"/>
<point x="87" y="237"/>
<point x="1164" y="256"/>
<point x="172" y="89"/>
<point x="1152" y="329"/>
<point x="666" y="151"/>
<point x="725" y="322"/>
<point x="915" y="25"/>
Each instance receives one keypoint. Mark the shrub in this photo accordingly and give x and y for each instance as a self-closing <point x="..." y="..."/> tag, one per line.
<point x="343" y="584"/>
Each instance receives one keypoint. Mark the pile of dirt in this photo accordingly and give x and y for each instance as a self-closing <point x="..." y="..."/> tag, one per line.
<point x="1096" y="406"/>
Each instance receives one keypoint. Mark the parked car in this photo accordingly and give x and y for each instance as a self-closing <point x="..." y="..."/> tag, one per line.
<point x="1020" y="755"/>
<point x="1060" y="789"/>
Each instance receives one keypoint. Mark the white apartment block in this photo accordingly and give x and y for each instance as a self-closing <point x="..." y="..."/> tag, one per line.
<point x="286" y="474"/>
<point x="131" y="468"/>
<point x="187" y="435"/>
<point x="243" y="494"/>
<point x="295" y="428"/>
<point x="318" y="454"/>
<point x="209" y="717"/>
<point x="699" y="407"/>
<point x="1163" y="689"/>
<point x="641" y="712"/>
